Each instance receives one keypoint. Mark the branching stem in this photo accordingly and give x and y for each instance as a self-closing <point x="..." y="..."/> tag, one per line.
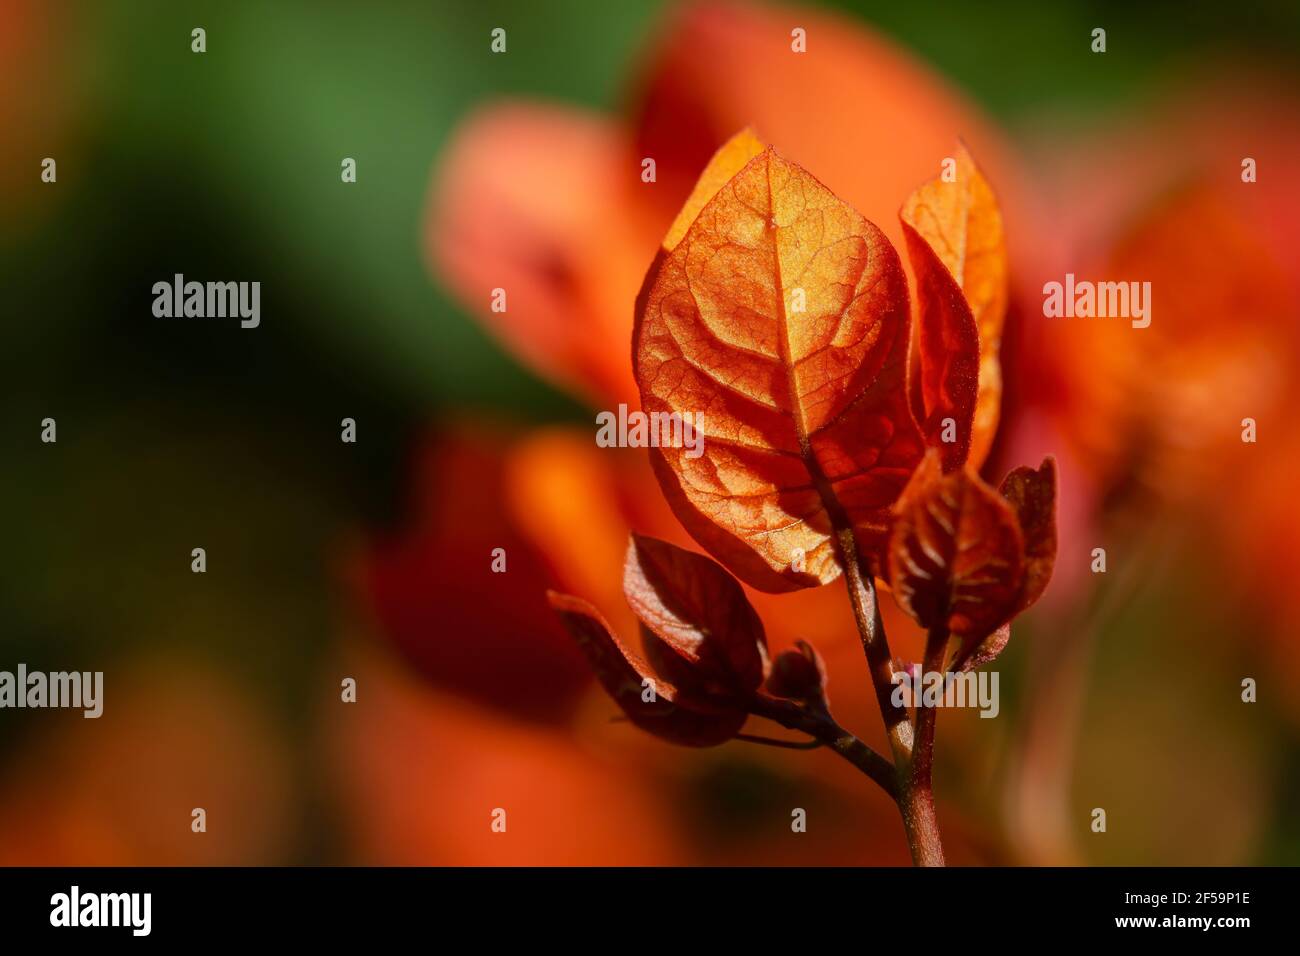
<point x="819" y="724"/>
<point x="913" y="791"/>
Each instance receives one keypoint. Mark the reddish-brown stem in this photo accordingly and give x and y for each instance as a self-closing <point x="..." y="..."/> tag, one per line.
<point x="923" y="755"/>
<point x="917" y="809"/>
<point x="907" y="780"/>
<point x="818" y="723"/>
<point x="914" y="796"/>
<point x="923" y="835"/>
<point x="866" y="613"/>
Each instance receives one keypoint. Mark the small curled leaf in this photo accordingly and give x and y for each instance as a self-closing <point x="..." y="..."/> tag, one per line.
<point x="676" y="669"/>
<point x="668" y="713"/>
<point x="700" y="611"/>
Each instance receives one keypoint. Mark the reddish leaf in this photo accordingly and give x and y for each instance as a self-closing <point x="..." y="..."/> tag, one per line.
<point x="944" y="386"/>
<point x="958" y="252"/>
<point x="807" y="430"/>
<point x="956" y="553"/>
<point x="1032" y="495"/>
<point x="697" y="723"/>
<point x="676" y="669"/>
<point x="699" y="610"/>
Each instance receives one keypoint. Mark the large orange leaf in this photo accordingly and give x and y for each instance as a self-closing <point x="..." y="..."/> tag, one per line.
<point x="956" y="555"/>
<point x="958" y="251"/>
<point x="781" y="317"/>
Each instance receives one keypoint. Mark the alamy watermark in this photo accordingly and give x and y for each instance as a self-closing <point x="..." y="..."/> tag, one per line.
<point x="939" y="689"/>
<point x="35" y="689"/>
<point x="75" y="908"/>
<point x="209" y="300"/>
<point x="624" y="429"/>
<point x="1102" y="300"/>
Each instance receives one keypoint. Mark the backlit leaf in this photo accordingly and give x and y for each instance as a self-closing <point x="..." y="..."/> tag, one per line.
<point x="955" y="242"/>
<point x="956" y="553"/>
<point x="781" y="317"/>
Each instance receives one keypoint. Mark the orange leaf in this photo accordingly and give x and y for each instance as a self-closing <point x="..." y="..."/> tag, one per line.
<point x="699" y="610"/>
<point x="781" y="318"/>
<point x="626" y="678"/>
<point x="958" y="251"/>
<point x="956" y="553"/>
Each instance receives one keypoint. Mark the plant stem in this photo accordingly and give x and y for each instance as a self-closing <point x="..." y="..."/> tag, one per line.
<point x="867" y="760"/>
<point x="917" y="807"/>
<point x="923" y="834"/>
<point x="821" y="725"/>
<point x="866" y="613"/>
<point x="923" y="754"/>
<point x="913" y="792"/>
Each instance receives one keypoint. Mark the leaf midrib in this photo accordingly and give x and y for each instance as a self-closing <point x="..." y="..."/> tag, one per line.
<point x="835" y="511"/>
